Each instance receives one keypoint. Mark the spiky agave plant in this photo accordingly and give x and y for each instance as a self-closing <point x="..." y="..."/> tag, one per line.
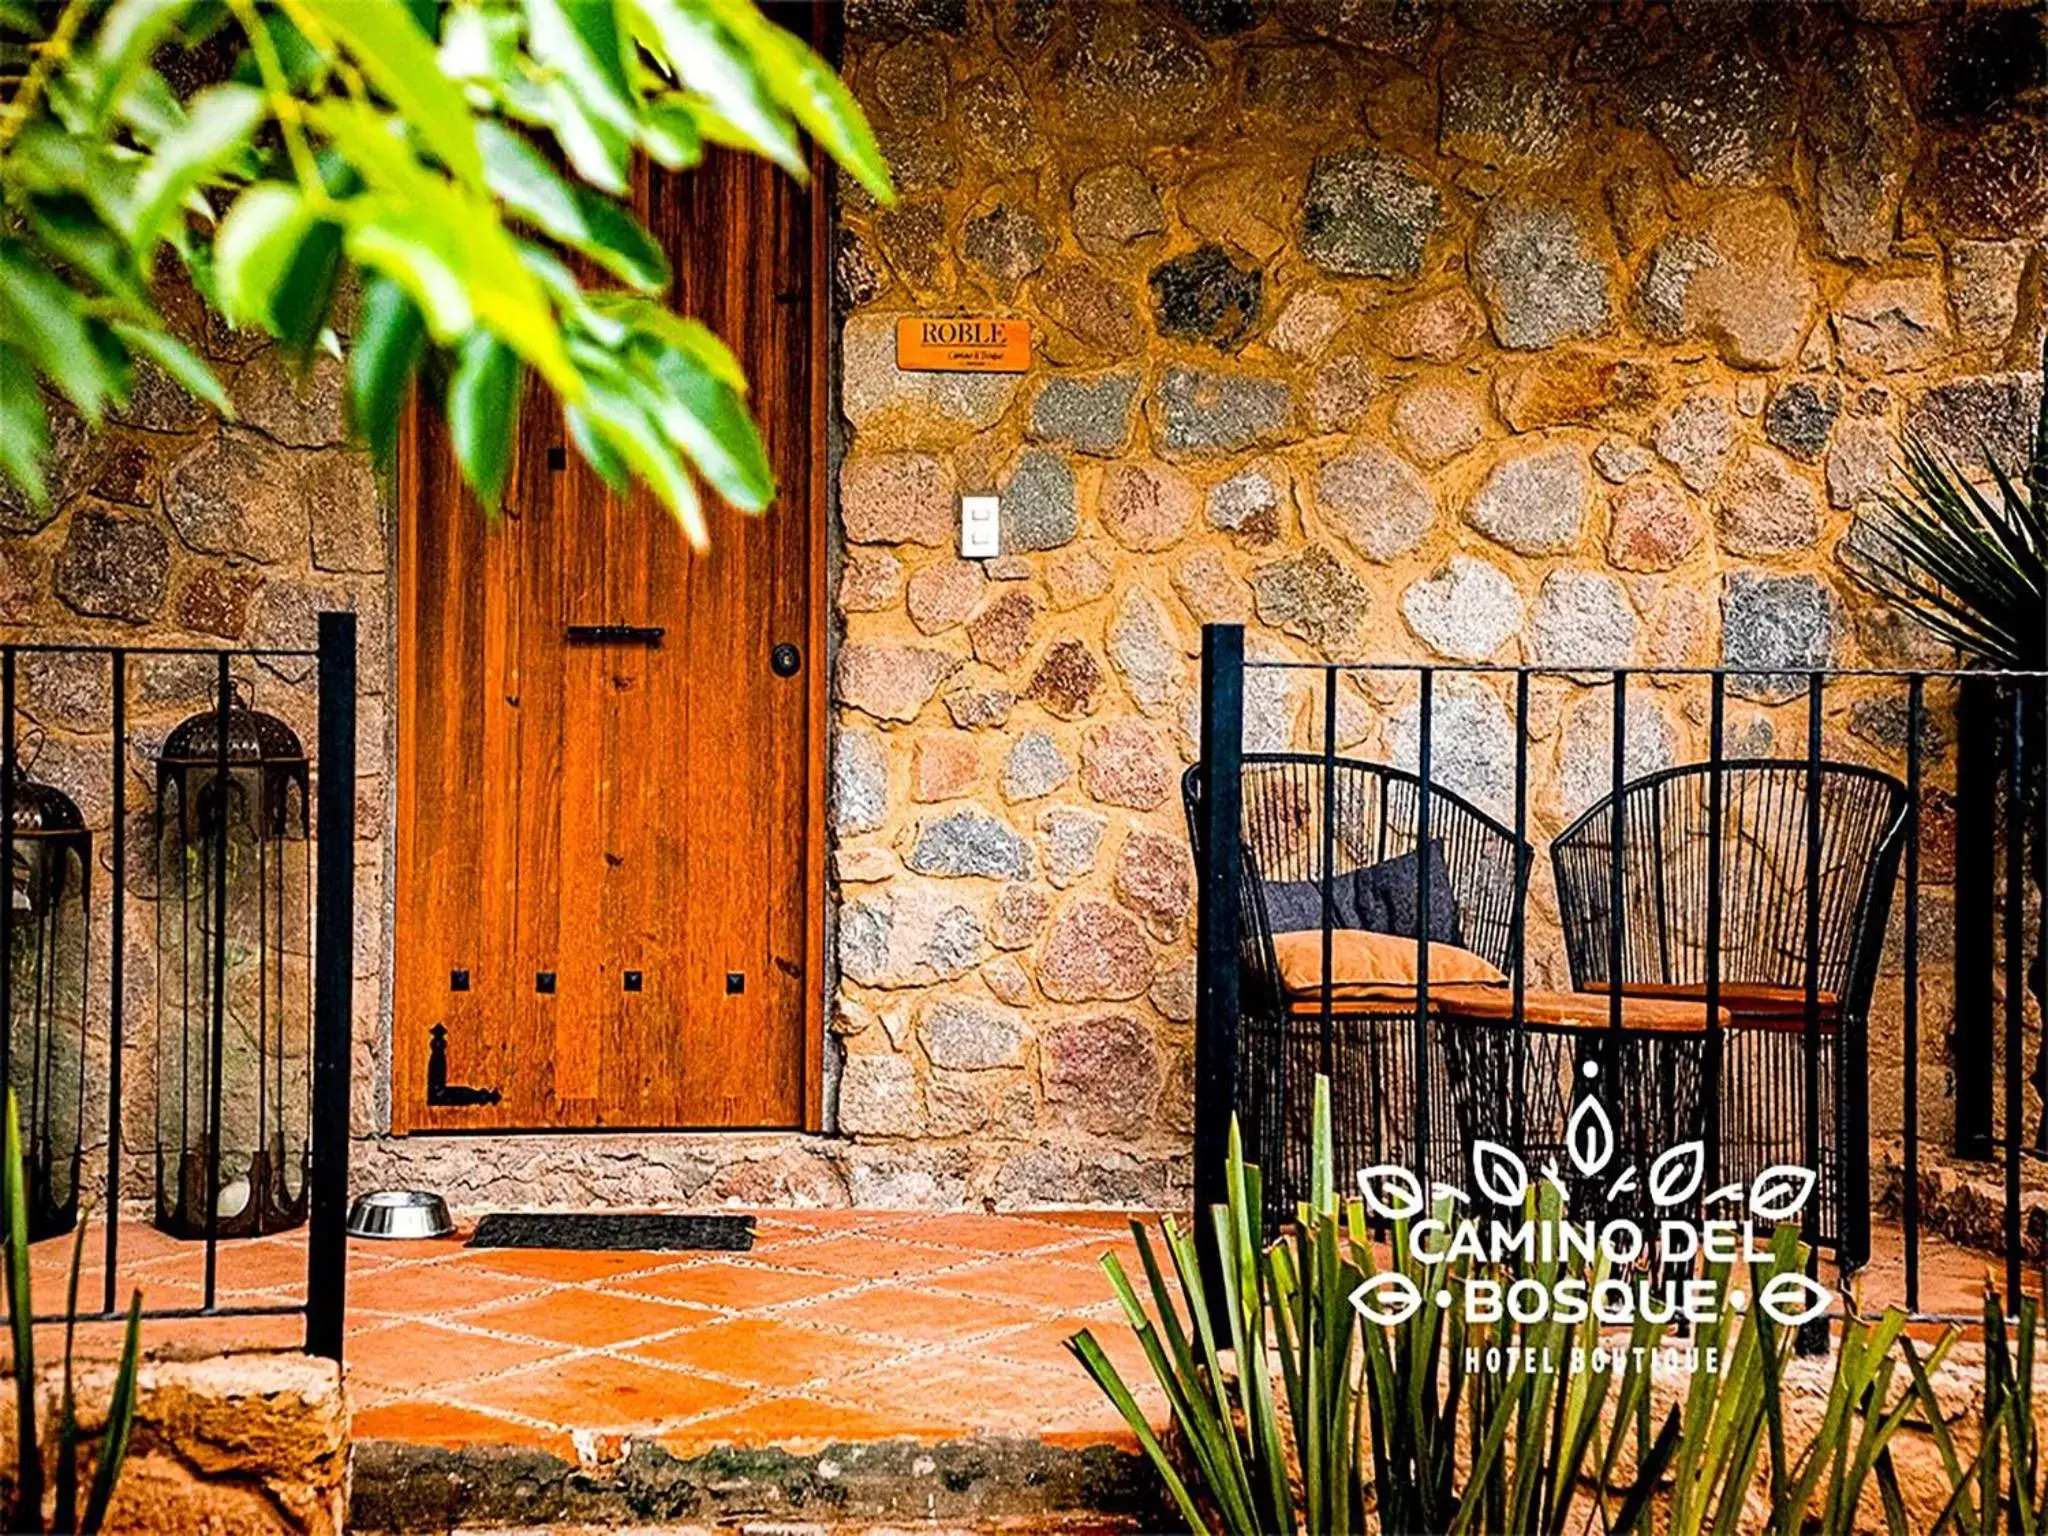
<point x="1971" y="564"/>
<point x="25" y="1512"/>
<point x="1969" y="561"/>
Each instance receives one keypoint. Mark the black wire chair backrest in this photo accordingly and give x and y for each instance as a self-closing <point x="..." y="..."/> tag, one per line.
<point x="1667" y="820"/>
<point x="1374" y="815"/>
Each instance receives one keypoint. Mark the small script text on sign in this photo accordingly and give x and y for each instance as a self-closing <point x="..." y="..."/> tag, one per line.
<point x="963" y="345"/>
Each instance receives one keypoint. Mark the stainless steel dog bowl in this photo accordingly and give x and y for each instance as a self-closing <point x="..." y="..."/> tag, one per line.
<point x="398" y="1213"/>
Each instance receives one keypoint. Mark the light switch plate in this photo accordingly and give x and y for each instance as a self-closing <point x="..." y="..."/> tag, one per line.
<point x="981" y="534"/>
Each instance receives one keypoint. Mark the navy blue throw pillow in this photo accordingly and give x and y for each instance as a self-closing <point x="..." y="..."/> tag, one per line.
<point x="1384" y="898"/>
<point x="1296" y="906"/>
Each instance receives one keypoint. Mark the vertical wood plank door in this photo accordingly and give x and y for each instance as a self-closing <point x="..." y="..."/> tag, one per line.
<point x="610" y="797"/>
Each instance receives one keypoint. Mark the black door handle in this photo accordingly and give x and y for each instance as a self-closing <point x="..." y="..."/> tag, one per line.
<point x="785" y="659"/>
<point x="614" y="634"/>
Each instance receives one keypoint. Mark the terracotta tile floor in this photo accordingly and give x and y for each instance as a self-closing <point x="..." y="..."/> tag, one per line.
<point x="837" y="1325"/>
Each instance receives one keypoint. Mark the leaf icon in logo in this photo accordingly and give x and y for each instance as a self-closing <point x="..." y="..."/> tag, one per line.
<point x="1392" y="1192"/>
<point x="1780" y="1192"/>
<point x="1792" y="1298"/>
<point x="1676" y="1175"/>
<point x="1501" y="1176"/>
<point x="1389" y="1298"/>
<point x="1589" y="1136"/>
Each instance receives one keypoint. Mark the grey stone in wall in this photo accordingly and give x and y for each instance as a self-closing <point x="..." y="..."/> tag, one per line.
<point x="1038" y="503"/>
<point x="1773" y="623"/>
<point x="1727" y="117"/>
<point x="1467" y="611"/>
<point x="1534" y="503"/>
<point x="1507" y="107"/>
<point x="860" y="783"/>
<point x="113" y="566"/>
<point x="967" y="843"/>
<point x="1091" y="414"/>
<point x="1368" y="214"/>
<point x="1376" y="500"/>
<point x="1542" y="282"/>
<point x="1203" y="411"/>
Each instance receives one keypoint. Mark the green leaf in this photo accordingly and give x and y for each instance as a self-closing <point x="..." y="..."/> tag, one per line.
<point x="704" y="57"/>
<point x="385" y="245"/>
<point x="254" y="248"/>
<point x="24" y="428"/>
<point x="20" y="16"/>
<point x="43" y="319"/>
<point x="576" y="216"/>
<point x="179" y="361"/>
<point x="21" y="1311"/>
<point x="802" y="82"/>
<point x="709" y="421"/>
<point x="120" y="1423"/>
<point x="580" y="40"/>
<point x="389" y="336"/>
<point x="446" y="246"/>
<point x="122" y="48"/>
<point x="382" y="37"/>
<point x="305" y="293"/>
<point x="619" y="242"/>
<point x="219" y="123"/>
<point x="483" y="415"/>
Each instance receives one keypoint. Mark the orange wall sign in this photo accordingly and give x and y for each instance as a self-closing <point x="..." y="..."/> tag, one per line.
<point x="962" y="344"/>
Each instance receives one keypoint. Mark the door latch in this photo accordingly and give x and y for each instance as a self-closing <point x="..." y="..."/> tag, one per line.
<point x="441" y="1093"/>
<point x="614" y="634"/>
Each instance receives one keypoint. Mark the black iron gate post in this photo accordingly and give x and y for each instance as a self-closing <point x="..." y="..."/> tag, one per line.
<point x="1216" y="932"/>
<point x="333" y="985"/>
<point x="1973" y="1043"/>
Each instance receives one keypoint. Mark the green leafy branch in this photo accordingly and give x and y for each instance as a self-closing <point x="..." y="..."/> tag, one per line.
<point x="462" y="157"/>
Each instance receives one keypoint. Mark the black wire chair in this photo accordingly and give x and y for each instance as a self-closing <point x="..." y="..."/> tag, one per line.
<point x="1373" y="814"/>
<point x="1805" y="883"/>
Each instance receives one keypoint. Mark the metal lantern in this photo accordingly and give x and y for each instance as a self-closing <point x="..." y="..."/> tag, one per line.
<point x="44" y="1043"/>
<point x="234" y="957"/>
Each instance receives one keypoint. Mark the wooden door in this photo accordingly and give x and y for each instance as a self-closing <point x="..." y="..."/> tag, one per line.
<point x="610" y="876"/>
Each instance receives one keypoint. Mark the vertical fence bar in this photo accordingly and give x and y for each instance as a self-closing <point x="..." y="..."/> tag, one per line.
<point x="1424" y="758"/>
<point x="8" y="763"/>
<point x="1972" y="1045"/>
<point x="2015" y="937"/>
<point x="1519" y="1072"/>
<point x="1813" y="1337"/>
<point x="1717" y="712"/>
<point x="216" y="1054"/>
<point x="1216" y="937"/>
<point x="1328" y="881"/>
<point x="117" y="966"/>
<point x="1916" y="723"/>
<point x="333" y="986"/>
<point x="1618" y="776"/>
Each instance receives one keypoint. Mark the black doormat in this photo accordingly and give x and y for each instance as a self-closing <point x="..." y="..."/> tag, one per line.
<point x="599" y="1229"/>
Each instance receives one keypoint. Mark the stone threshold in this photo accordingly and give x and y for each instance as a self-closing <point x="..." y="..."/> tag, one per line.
<point x="973" y="1482"/>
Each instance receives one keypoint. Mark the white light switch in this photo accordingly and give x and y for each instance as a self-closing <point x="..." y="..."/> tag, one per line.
<point x="981" y="533"/>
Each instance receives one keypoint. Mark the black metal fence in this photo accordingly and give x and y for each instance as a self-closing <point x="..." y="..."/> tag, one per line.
<point x="1769" y="880"/>
<point x="321" y="686"/>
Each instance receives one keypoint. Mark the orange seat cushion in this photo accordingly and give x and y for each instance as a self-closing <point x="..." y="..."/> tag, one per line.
<point x="1373" y="967"/>
<point x="1491" y="1003"/>
<point x="1747" y="1004"/>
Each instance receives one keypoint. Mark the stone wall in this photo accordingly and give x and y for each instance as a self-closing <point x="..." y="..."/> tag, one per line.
<point x="1562" y="333"/>
<point x="165" y="529"/>
<point x="244" y="1444"/>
